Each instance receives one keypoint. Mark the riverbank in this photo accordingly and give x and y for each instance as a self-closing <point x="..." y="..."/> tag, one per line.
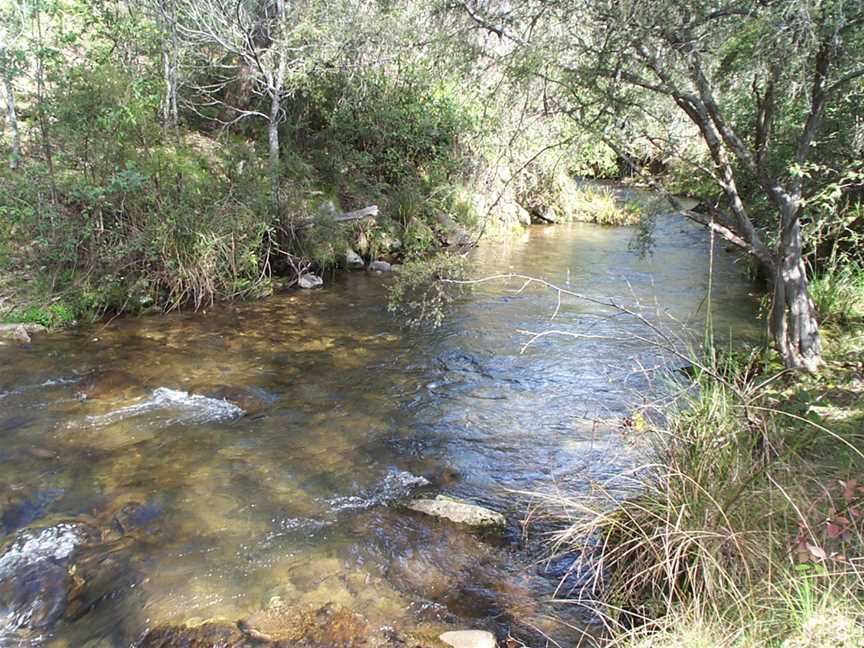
<point x="56" y="298"/>
<point x="748" y="530"/>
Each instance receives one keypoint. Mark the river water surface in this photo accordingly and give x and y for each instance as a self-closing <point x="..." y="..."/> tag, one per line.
<point x="259" y="452"/>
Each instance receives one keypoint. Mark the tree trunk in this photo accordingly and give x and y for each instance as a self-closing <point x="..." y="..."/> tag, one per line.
<point x="169" y="62"/>
<point x="273" y="142"/>
<point x="41" y="112"/>
<point x="12" y="115"/>
<point x="793" y="324"/>
<point x="276" y="85"/>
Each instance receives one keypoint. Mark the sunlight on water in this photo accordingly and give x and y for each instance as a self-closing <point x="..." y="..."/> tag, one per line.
<point x="256" y="455"/>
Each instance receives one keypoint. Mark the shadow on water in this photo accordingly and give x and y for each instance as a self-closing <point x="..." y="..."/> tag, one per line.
<point x="264" y="448"/>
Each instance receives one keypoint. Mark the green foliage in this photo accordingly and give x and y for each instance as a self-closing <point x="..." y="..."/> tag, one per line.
<point x="838" y="292"/>
<point x="378" y="129"/>
<point x="58" y="315"/>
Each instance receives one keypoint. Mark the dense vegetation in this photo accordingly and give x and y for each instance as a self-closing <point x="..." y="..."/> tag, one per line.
<point x="169" y="153"/>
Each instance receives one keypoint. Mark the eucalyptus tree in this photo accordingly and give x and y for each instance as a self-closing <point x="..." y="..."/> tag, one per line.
<point x="754" y="78"/>
<point x="12" y="26"/>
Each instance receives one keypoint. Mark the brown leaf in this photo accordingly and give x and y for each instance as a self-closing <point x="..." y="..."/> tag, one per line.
<point x="817" y="552"/>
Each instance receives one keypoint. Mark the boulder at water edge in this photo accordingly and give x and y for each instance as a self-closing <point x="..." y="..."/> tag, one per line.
<point x="380" y="266"/>
<point x="469" y="639"/>
<point x="308" y="280"/>
<point x="353" y="260"/>
<point x="20" y="332"/>
<point x="459" y="512"/>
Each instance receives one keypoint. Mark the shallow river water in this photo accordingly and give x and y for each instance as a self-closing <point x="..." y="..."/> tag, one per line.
<point x="259" y="452"/>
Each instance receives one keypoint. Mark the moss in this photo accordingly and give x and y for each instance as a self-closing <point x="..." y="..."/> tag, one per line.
<point x="54" y="316"/>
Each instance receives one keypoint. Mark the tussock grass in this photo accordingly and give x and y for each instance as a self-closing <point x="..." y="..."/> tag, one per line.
<point x="600" y="206"/>
<point x="746" y="529"/>
<point x="838" y="292"/>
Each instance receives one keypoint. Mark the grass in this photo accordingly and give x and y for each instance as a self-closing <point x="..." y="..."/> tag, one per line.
<point x="51" y="317"/>
<point x="746" y="528"/>
<point x="600" y="206"/>
<point x="838" y="292"/>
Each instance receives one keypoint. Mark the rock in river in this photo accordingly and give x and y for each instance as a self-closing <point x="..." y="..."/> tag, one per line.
<point x="459" y="512"/>
<point x="20" y="332"/>
<point x="353" y="260"/>
<point x="308" y="280"/>
<point x="380" y="266"/>
<point x="34" y="579"/>
<point x="469" y="639"/>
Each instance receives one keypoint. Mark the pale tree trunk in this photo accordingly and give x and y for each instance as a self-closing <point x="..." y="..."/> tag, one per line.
<point x="42" y="113"/>
<point x="12" y="116"/>
<point x="276" y="86"/>
<point x="169" y="63"/>
<point x="793" y="324"/>
<point x="273" y="134"/>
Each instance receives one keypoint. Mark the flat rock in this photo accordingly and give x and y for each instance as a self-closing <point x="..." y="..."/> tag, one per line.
<point x="469" y="639"/>
<point x="308" y="280"/>
<point x="459" y="512"/>
<point x="380" y="266"/>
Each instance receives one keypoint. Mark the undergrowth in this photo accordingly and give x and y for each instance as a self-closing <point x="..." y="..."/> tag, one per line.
<point x="746" y="527"/>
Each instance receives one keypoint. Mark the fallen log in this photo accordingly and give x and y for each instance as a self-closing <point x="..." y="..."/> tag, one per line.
<point x="357" y="214"/>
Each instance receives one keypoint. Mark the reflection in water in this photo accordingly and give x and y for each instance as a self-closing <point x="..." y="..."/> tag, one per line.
<point x="270" y="443"/>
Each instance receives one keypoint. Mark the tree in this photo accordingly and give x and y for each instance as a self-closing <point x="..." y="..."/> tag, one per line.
<point x="258" y="46"/>
<point x="12" y="21"/>
<point x="753" y="77"/>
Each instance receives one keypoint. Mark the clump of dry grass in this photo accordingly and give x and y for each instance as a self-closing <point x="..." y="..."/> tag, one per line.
<point x="746" y="530"/>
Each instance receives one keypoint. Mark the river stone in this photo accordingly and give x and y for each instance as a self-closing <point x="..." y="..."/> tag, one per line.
<point x="34" y="578"/>
<point x="353" y="260"/>
<point x="207" y="635"/>
<point x="452" y="233"/>
<point x="459" y="512"/>
<point x="469" y="639"/>
<point x="380" y="266"/>
<point x="19" y="332"/>
<point x="333" y="626"/>
<point x="111" y="384"/>
<point x="308" y="280"/>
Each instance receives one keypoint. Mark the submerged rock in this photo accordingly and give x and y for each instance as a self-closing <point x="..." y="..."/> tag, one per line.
<point x="308" y="280"/>
<point x="208" y="635"/>
<point x="380" y="266"/>
<point x="458" y="511"/>
<point x="34" y="575"/>
<point x="332" y="626"/>
<point x="469" y="639"/>
<point x="107" y="384"/>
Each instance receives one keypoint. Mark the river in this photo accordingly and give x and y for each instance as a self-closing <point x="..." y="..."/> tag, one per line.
<point x="259" y="451"/>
